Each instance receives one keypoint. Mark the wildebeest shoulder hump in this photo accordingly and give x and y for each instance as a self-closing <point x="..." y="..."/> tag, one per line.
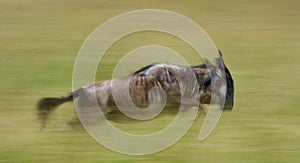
<point x="143" y="69"/>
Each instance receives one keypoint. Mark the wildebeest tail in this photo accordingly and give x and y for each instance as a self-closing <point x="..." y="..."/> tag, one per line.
<point x="48" y="104"/>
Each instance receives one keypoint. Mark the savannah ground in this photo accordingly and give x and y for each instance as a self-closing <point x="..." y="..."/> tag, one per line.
<point x="260" y="40"/>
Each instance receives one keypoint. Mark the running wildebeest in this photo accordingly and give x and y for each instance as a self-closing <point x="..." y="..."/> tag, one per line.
<point x="163" y="75"/>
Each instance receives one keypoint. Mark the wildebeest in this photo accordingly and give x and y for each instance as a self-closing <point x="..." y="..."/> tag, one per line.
<point x="162" y="75"/>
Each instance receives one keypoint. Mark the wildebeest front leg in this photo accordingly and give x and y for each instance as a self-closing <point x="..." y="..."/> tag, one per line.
<point x="193" y="102"/>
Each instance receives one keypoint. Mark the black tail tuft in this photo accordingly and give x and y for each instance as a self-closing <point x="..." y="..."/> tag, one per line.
<point x="48" y="104"/>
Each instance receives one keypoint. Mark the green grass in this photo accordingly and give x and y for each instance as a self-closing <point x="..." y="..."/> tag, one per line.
<point x="39" y="41"/>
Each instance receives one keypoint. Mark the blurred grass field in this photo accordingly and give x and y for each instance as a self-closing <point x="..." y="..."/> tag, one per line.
<point x="260" y="40"/>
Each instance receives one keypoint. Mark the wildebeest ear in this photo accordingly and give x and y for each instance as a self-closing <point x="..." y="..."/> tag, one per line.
<point x="220" y="54"/>
<point x="219" y="60"/>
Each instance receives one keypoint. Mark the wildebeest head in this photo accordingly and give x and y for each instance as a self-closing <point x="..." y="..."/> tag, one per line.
<point x="230" y="91"/>
<point x="208" y="74"/>
<point x="229" y="99"/>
